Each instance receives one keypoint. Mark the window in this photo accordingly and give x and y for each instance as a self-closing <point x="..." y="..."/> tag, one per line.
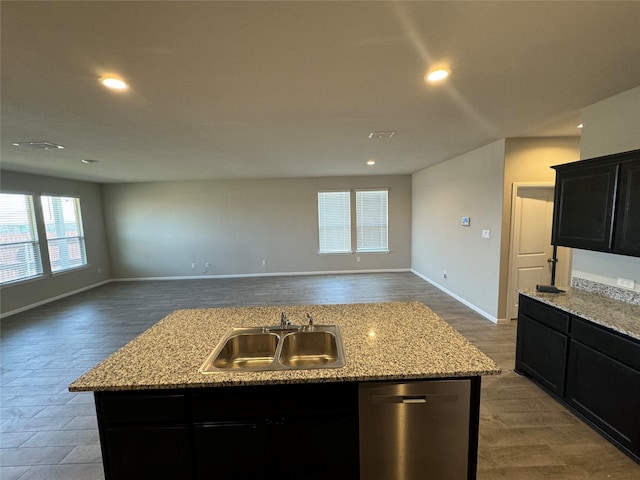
<point x="334" y="221"/>
<point x="372" y="220"/>
<point x="65" y="237"/>
<point x="19" y="247"/>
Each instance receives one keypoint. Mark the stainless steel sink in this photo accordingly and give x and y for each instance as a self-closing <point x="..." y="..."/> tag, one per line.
<point x="255" y="349"/>
<point x="309" y="349"/>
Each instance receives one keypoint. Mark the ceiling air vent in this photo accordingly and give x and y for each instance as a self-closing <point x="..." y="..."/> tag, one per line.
<point x="388" y="134"/>
<point x="38" y="145"/>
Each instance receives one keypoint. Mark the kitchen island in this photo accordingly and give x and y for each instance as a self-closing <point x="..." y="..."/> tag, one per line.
<point x="159" y="417"/>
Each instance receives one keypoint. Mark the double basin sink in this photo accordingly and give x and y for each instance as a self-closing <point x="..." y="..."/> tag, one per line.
<point x="277" y="348"/>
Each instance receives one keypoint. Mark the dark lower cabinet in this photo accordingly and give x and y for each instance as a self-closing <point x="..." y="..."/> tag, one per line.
<point x="283" y="448"/>
<point x="162" y="453"/>
<point x="541" y="352"/>
<point x="300" y="431"/>
<point x="232" y="450"/>
<point x="607" y="393"/>
<point x="591" y="369"/>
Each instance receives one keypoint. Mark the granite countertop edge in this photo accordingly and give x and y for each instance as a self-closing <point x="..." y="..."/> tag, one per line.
<point x="619" y="316"/>
<point x="409" y="342"/>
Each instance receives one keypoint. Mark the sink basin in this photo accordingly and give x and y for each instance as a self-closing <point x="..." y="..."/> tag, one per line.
<point x="247" y="350"/>
<point x="309" y="349"/>
<point x="255" y="349"/>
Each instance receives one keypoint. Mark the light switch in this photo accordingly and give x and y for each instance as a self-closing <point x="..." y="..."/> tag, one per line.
<point x="486" y="233"/>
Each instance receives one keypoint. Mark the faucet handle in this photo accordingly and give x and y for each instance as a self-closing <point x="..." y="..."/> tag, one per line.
<point x="310" y="320"/>
<point x="284" y="321"/>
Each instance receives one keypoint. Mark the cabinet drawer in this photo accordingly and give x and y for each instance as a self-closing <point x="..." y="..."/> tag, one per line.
<point x="274" y="400"/>
<point x="549" y="316"/>
<point x="613" y="344"/>
<point x="135" y="408"/>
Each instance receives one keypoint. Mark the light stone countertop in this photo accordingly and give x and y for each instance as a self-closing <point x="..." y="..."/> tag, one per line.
<point x="617" y="315"/>
<point x="382" y="341"/>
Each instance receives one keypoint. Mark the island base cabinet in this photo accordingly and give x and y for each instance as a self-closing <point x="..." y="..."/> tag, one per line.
<point x="286" y="449"/>
<point x="607" y="393"/>
<point x="148" y="453"/>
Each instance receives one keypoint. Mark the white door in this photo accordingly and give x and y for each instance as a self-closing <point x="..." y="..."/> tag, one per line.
<point x="531" y="248"/>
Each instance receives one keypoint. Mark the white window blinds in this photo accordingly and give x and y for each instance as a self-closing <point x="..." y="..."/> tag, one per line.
<point x="63" y="224"/>
<point x="19" y="248"/>
<point x="372" y="220"/>
<point x="334" y="221"/>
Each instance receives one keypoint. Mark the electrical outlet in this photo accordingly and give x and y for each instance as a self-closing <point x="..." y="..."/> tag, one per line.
<point x="207" y="265"/>
<point x="486" y="233"/>
<point x="193" y="265"/>
<point x="357" y="259"/>
<point x="264" y="262"/>
<point x="444" y="274"/>
<point x="626" y="283"/>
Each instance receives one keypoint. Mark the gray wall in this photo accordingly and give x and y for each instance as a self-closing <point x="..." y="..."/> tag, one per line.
<point x="468" y="185"/>
<point x="610" y="126"/>
<point x="161" y="229"/>
<point x="20" y="295"/>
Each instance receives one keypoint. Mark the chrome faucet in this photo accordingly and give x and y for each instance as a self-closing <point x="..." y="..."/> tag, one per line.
<point x="284" y="321"/>
<point x="310" y="320"/>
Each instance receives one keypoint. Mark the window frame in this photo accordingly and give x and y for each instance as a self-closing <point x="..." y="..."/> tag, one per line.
<point x="361" y="230"/>
<point x="34" y="242"/>
<point x="60" y="241"/>
<point x="346" y="240"/>
<point x="354" y="229"/>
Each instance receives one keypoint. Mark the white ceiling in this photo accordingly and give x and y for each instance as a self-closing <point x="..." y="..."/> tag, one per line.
<point x="293" y="89"/>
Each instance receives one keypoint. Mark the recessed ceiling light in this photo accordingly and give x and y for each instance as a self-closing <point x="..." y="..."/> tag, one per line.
<point x="437" y="74"/>
<point x="89" y="161"/>
<point x="42" y="145"/>
<point x="114" y="83"/>
<point x="371" y="162"/>
<point x="386" y="134"/>
<point x="580" y="126"/>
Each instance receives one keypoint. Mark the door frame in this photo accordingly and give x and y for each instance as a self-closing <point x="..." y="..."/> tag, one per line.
<point x="512" y="244"/>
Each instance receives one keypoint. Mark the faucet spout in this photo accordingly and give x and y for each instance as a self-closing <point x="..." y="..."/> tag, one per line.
<point x="284" y="321"/>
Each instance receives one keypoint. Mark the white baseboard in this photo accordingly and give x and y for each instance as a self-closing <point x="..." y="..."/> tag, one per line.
<point x="274" y="274"/>
<point x="458" y="298"/>
<point x="52" y="299"/>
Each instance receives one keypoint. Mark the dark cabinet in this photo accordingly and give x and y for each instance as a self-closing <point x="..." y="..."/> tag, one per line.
<point x="274" y="431"/>
<point x="591" y="369"/>
<point x="607" y="393"/>
<point x="597" y="204"/>
<point x="287" y="431"/>
<point x="148" y="453"/>
<point x="541" y="345"/>
<point x="145" y="435"/>
<point x="627" y="228"/>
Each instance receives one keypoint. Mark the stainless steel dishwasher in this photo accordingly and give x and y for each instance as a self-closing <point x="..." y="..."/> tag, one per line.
<point x="415" y="430"/>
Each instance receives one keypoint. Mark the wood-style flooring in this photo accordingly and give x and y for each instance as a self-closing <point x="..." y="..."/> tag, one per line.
<point x="50" y="434"/>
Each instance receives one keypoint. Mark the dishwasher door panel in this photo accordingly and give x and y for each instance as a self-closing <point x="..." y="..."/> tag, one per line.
<point x="415" y="430"/>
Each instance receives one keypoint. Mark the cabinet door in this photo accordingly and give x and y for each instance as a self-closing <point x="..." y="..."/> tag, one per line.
<point x="153" y="453"/>
<point x="627" y="229"/>
<point x="229" y="451"/>
<point x="583" y="210"/>
<point x="541" y="352"/>
<point x="317" y="448"/>
<point x="607" y="393"/>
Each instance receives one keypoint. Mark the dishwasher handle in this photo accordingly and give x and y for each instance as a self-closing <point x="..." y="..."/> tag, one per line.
<point x="413" y="399"/>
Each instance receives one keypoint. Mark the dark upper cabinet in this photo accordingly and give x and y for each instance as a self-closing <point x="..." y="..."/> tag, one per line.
<point x="627" y="228"/>
<point x="597" y="204"/>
